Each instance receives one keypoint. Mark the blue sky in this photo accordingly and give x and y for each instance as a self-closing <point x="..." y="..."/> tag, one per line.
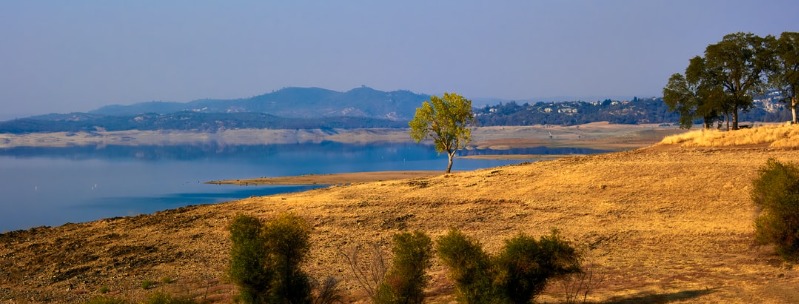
<point x="64" y="56"/>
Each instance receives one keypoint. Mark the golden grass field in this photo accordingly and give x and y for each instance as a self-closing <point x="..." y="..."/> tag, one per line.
<point x="668" y="223"/>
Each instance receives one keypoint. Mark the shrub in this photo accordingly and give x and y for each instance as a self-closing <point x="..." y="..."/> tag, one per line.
<point x="147" y="284"/>
<point x="248" y="260"/>
<point x="406" y="279"/>
<point x="368" y="271"/>
<point x="469" y="266"/>
<point x="525" y="265"/>
<point x="266" y="258"/>
<point x="776" y="194"/>
<point x="287" y="241"/>
<point x="328" y="292"/>
<point x="516" y="275"/>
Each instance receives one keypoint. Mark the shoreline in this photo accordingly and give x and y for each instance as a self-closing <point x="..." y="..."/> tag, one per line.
<point x="329" y="179"/>
<point x="371" y="176"/>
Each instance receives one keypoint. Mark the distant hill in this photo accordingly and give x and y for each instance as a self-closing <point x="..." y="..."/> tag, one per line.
<point x="315" y="108"/>
<point x="295" y="103"/>
<point x="208" y="122"/>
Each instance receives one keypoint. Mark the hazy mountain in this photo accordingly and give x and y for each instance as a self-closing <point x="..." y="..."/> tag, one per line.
<point x="185" y="120"/>
<point x="293" y="102"/>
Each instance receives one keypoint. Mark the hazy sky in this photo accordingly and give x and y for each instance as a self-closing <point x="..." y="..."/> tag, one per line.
<point x="64" y="56"/>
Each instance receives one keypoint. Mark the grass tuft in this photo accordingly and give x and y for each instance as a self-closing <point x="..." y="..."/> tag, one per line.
<point x="777" y="136"/>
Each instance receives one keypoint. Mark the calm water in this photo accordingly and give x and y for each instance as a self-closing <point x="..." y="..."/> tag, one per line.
<point x="53" y="186"/>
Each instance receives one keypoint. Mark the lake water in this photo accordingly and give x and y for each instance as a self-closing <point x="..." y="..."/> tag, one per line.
<point x="53" y="186"/>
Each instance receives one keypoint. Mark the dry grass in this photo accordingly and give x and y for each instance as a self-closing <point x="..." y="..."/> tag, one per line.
<point x="775" y="136"/>
<point x="662" y="224"/>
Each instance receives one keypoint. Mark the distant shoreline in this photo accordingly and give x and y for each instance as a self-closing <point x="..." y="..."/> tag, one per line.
<point x="599" y="135"/>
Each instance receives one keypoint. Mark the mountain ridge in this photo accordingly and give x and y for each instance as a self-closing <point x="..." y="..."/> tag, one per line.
<point x="292" y="102"/>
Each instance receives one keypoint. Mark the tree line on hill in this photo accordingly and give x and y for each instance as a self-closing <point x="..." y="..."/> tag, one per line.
<point x="635" y="111"/>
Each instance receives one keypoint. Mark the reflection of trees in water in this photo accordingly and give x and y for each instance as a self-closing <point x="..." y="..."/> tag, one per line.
<point x="321" y="151"/>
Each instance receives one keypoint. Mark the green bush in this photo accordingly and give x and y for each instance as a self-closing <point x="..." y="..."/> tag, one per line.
<point x="406" y="279"/>
<point x="776" y="194"/>
<point x="469" y="266"/>
<point x="516" y="275"/>
<point x="248" y="267"/>
<point x="287" y="241"/>
<point x="525" y="265"/>
<point x="266" y="258"/>
<point x="147" y="284"/>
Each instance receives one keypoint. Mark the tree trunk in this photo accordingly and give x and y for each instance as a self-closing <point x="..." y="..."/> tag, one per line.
<point x="793" y="110"/>
<point x="727" y="119"/>
<point x="450" y="156"/>
<point x="735" y="119"/>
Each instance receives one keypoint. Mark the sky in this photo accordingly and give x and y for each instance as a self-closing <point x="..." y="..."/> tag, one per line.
<point x="66" y="56"/>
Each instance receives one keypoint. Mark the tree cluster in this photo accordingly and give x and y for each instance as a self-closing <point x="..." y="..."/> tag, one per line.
<point x="721" y="84"/>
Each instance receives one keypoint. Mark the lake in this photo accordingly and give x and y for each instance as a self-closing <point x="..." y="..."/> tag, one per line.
<point x="53" y="186"/>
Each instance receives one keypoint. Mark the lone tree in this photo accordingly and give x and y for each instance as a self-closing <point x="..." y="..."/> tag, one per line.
<point x="446" y="121"/>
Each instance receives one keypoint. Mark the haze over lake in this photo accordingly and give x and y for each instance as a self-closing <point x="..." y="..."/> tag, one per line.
<point x="53" y="186"/>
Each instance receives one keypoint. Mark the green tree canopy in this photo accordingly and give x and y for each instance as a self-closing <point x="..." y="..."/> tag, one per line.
<point x="737" y="63"/>
<point x="694" y="95"/>
<point x="681" y="97"/>
<point x="446" y="121"/>
<point x="784" y="68"/>
<point x="723" y="81"/>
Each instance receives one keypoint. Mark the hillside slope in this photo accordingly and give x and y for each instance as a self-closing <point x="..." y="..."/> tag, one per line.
<point x="661" y="224"/>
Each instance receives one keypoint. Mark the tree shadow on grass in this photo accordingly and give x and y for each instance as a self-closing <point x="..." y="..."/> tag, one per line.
<point x="661" y="298"/>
